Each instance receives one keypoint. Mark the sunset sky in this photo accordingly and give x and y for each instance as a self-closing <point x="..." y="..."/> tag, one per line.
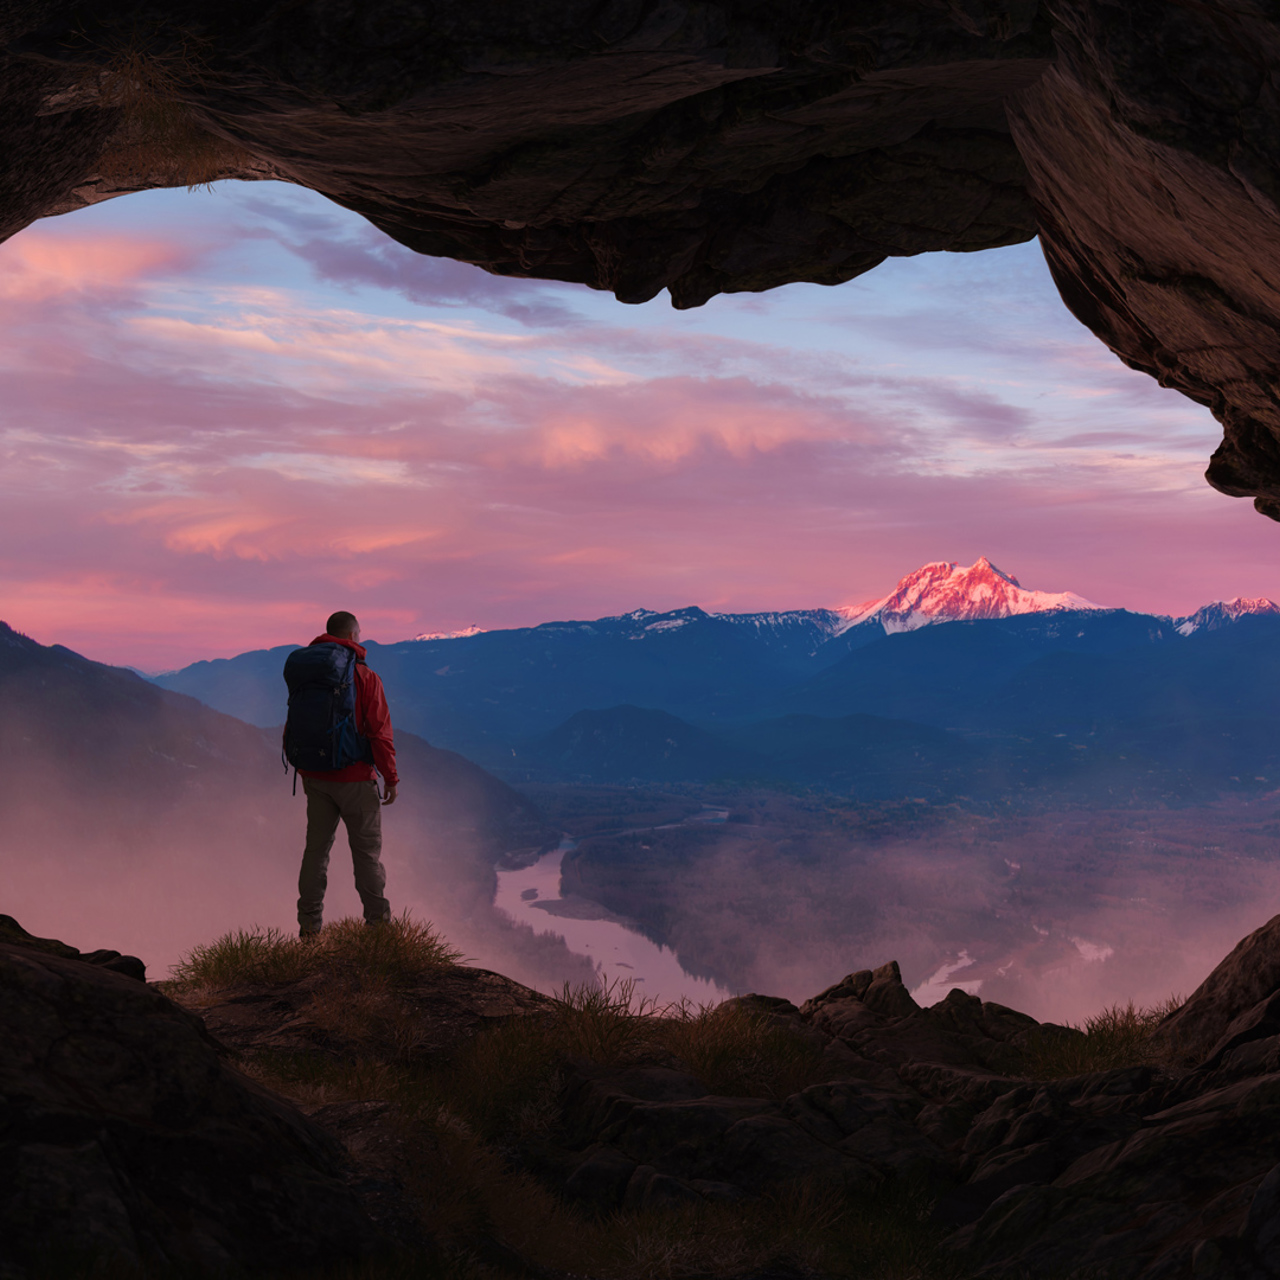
<point x="227" y="413"/>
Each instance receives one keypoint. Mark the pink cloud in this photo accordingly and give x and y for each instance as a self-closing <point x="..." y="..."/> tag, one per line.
<point x="41" y="265"/>
<point x="193" y="470"/>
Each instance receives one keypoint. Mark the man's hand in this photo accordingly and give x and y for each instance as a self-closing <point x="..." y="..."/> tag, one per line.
<point x="390" y="797"/>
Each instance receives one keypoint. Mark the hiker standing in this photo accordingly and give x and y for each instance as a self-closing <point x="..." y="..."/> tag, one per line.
<point x="338" y="733"/>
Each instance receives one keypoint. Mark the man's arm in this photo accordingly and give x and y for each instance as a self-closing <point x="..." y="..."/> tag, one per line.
<point x="377" y="728"/>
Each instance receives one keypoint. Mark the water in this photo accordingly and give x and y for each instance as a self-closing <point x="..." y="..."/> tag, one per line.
<point x="532" y="896"/>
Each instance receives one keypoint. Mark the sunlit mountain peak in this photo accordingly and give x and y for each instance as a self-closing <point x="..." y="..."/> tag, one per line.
<point x="946" y="592"/>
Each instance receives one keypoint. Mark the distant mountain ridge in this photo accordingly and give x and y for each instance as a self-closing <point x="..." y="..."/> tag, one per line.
<point x="939" y="592"/>
<point x="1222" y="613"/>
<point x="1029" y="685"/>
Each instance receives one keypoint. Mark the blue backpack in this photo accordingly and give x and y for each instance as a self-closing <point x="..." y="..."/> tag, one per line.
<point x="320" y="732"/>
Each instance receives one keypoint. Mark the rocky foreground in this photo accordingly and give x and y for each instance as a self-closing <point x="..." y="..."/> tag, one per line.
<point x="128" y="1133"/>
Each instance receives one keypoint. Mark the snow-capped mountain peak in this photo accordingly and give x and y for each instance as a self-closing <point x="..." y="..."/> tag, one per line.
<point x="472" y="630"/>
<point x="948" y="592"/>
<point x="1221" y="613"/>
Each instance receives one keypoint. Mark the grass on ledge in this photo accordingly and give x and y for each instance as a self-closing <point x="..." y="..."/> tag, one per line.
<point x="505" y="1081"/>
<point x="1119" y="1036"/>
<point x="465" y="1118"/>
<point x="399" y="952"/>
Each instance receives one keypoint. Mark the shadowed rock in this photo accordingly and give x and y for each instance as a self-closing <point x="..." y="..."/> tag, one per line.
<point x="14" y="934"/>
<point x="126" y="1135"/>
<point x="1238" y="1002"/>
<point x="125" y="1138"/>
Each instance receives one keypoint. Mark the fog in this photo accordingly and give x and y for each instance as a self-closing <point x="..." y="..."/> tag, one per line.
<point x="1055" y="914"/>
<point x="1058" y="915"/>
<point x="156" y="884"/>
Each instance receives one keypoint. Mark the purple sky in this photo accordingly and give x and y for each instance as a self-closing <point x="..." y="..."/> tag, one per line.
<point x="227" y="413"/>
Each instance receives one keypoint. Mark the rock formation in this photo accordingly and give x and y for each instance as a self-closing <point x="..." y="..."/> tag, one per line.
<point x="126" y="1134"/>
<point x="1141" y="1171"/>
<point x="126" y="1138"/>
<point x="707" y="146"/>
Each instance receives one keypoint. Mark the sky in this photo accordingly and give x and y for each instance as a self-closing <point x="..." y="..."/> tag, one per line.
<point x="226" y="413"/>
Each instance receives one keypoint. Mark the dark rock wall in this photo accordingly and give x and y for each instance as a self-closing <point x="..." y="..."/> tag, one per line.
<point x="633" y="146"/>
<point x="1153" y="146"/>
<point x="641" y="145"/>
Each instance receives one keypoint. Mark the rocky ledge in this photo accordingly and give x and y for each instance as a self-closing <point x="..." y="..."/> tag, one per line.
<point x="1143" y="1171"/>
<point x="128" y="1134"/>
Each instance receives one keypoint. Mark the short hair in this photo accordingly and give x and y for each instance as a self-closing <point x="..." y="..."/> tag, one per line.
<point x="341" y="624"/>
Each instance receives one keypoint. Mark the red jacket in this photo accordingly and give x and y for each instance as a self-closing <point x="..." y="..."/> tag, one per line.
<point x="373" y="721"/>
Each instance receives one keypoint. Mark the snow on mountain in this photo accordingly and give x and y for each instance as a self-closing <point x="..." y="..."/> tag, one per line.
<point x="946" y="592"/>
<point x="937" y="592"/>
<point x="1222" y="613"/>
<point x="826" y="622"/>
<point x="472" y="630"/>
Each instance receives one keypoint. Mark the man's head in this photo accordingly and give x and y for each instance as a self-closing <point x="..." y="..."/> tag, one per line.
<point x="343" y="626"/>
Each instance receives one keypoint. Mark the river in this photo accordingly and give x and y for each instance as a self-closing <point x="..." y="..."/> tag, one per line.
<point x="531" y="895"/>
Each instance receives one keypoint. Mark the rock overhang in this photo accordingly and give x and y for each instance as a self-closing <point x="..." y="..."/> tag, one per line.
<point x="724" y="146"/>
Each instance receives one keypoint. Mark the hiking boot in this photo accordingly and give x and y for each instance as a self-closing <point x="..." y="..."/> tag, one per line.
<point x="374" y="924"/>
<point x="308" y="933"/>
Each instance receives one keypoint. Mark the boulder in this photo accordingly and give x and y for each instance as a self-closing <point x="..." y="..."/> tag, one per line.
<point x="125" y="1138"/>
<point x="1233" y="1001"/>
<point x="15" y="935"/>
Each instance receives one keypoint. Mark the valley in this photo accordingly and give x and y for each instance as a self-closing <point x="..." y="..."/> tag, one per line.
<point x="1025" y="795"/>
<point x="1059" y="913"/>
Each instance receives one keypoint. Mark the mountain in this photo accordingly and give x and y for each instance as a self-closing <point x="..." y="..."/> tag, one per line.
<point x="946" y="673"/>
<point x="625" y="743"/>
<point x="941" y="651"/>
<point x="480" y="693"/>
<point x="945" y="592"/>
<point x="112" y="746"/>
<point x="1222" y="613"/>
<point x="872" y="759"/>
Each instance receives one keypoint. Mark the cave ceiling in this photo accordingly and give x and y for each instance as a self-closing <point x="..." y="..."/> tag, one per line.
<point x="704" y="148"/>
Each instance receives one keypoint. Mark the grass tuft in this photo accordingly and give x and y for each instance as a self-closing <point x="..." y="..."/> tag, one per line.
<point x="739" y="1053"/>
<point x="505" y="1082"/>
<point x="1119" y="1036"/>
<point x="243" y="958"/>
<point x="393" y="954"/>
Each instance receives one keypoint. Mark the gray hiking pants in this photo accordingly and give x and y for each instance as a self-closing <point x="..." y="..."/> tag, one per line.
<point x="358" y="806"/>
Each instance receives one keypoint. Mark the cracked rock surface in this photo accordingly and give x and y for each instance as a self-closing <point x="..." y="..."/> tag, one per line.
<point x="1145" y="1171"/>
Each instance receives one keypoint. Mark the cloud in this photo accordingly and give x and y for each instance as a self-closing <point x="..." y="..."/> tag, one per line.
<point x="199" y="460"/>
<point x="364" y="257"/>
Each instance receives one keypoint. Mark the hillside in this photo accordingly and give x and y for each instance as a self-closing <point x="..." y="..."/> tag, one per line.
<point x="154" y="815"/>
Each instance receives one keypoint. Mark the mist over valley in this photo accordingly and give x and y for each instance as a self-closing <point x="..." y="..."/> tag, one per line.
<point x="143" y="816"/>
<point x="1060" y="808"/>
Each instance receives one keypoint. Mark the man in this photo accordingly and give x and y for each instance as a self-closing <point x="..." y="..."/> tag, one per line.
<point x="350" y="794"/>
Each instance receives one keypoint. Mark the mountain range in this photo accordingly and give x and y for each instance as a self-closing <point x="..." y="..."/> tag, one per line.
<point x="1027" y="689"/>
